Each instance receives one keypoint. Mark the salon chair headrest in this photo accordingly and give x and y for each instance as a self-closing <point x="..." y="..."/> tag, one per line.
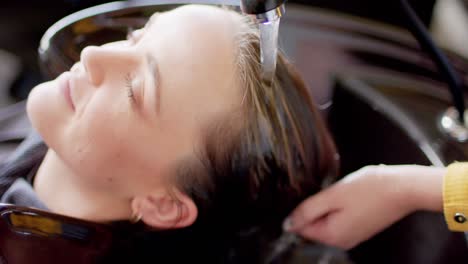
<point x="33" y="236"/>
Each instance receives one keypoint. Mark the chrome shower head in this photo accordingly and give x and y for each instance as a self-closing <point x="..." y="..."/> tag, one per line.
<point x="264" y="10"/>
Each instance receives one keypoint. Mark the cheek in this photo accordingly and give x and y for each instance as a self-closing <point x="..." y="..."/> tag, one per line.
<point x="102" y="161"/>
<point x="101" y="134"/>
<point x="106" y="146"/>
<point x="119" y="166"/>
<point x="105" y="118"/>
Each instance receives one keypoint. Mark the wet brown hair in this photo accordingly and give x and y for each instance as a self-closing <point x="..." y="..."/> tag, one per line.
<point x="259" y="162"/>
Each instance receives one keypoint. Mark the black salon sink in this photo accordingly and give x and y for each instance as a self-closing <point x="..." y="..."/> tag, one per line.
<point x="383" y="99"/>
<point x="370" y="128"/>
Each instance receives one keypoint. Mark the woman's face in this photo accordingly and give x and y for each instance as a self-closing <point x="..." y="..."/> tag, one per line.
<point x="128" y="111"/>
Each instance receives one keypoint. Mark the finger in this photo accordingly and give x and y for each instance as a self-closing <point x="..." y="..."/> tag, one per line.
<point x="331" y="230"/>
<point x="316" y="231"/>
<point x="310" y="210"/>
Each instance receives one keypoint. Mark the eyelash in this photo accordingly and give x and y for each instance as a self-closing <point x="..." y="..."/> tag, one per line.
<point x="129" y="87"/>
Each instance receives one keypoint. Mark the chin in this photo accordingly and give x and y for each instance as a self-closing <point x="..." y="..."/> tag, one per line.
<point x="44" y="111"/>
<point x="35" y="105"/>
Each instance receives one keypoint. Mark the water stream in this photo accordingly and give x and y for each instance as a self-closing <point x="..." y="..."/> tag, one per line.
<point x="269" y="48"/>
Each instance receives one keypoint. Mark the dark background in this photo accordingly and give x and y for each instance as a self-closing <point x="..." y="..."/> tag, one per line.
<point x="23" y="22"/>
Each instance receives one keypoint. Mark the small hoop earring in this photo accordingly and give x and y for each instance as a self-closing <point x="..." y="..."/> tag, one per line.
<point x="136" y="217"/>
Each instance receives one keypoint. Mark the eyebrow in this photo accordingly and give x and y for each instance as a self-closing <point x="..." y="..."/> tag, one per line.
<point x="156" y="79"/>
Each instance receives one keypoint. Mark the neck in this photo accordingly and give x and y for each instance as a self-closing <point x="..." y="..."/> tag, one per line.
<point x="57" y="186"/>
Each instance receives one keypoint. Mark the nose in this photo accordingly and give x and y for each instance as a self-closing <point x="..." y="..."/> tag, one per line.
<point x="99" y="62"/>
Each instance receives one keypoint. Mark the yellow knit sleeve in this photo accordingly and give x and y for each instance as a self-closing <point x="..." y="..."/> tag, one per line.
<point x="455" y="195"/>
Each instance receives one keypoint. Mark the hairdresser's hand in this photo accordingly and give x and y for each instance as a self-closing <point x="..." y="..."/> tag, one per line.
<point x="366" y="202"/>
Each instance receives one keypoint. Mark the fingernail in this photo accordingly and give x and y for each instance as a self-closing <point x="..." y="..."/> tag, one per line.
<point x="287" y="224"/>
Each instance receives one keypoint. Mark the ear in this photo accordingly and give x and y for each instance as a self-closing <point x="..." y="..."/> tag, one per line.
<point x="164" y="210"/>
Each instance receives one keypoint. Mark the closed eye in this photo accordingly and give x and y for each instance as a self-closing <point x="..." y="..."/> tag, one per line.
<point x="129" y="87"/>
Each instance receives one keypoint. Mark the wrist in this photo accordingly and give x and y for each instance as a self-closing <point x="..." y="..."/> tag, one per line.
<point x="402" y="190"/>
<point x="425" y="188"/>
<point x="412" y="187"/>
<point x="395" y="189"/>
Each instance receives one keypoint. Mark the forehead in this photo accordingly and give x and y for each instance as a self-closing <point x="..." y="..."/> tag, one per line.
<point x="204" y="29"/>
<point x="203" y="13"/>
<point x="195" y="49"/>
<point x="197" y="42"/>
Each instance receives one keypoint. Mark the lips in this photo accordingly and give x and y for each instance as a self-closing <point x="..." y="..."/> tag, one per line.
<point x="64" y="84"/>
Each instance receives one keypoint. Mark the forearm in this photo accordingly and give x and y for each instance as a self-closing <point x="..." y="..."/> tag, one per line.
<point x="369" y="200"/>
<point x="415" y="187"/>
<point x="433" y="189"/>
<point x="426" y="184"/>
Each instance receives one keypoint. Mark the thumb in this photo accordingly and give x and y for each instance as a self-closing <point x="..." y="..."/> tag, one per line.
<point x="309" y="211"/>
<point x="319" y="230"/>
